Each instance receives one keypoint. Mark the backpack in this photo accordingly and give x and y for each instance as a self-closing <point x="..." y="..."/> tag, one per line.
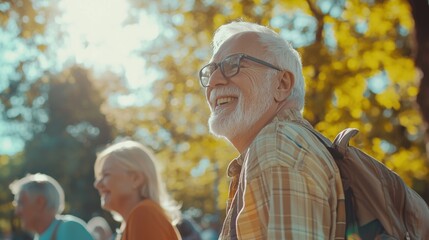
<point x="375" y="195"/>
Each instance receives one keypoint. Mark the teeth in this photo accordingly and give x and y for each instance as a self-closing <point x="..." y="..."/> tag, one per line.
<point x="221" y="101"/>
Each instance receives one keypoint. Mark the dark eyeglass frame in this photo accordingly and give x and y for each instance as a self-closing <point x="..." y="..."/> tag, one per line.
<point x="205" y="83"/>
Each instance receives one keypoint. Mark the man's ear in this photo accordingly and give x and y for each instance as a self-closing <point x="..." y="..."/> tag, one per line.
<point x="284" y="86"/>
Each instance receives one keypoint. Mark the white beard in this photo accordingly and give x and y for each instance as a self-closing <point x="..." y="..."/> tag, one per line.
<point x="246" y="114"/>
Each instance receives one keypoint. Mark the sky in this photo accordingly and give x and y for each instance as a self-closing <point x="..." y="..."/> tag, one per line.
<point x="100" y="36"/>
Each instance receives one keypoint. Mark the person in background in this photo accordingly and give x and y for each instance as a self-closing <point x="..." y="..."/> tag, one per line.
<point x="210" y="227"/>
<point x="130" y="186"/>
<point x="100" y="229"/>
<point x="189" y="229"/>
<point x="284" y="184"/>
<point x="39" y="201"/>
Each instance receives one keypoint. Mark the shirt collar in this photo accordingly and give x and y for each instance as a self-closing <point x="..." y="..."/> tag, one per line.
<point x="292" y="115"/>
<point x="48" y="232"/>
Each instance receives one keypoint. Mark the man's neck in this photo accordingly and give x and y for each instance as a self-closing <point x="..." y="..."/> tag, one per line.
<point x="243" y="140"/>
<point x="43" y="223"/>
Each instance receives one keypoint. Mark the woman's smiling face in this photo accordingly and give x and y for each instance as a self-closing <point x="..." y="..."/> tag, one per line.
<point x="114" y="184"/>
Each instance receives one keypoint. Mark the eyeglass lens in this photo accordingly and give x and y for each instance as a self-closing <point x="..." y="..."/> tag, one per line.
<point x="228" y="66"/>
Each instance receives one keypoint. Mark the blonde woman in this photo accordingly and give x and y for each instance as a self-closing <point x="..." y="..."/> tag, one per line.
<point x="130" y="186"/>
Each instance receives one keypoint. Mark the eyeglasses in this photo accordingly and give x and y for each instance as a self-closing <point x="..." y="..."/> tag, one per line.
<point x="229" y="67"/>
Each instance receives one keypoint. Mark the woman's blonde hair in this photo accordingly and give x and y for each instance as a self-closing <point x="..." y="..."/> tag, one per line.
<point x="134" y="156"/>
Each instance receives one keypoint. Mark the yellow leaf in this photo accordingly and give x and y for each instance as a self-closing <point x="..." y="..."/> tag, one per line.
<point x="389" y="99"/>
<point x="412" y="91"/>
<point x="42" y="47"/>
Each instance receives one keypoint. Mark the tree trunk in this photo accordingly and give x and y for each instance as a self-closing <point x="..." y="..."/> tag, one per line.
<point x="420" y="11"/>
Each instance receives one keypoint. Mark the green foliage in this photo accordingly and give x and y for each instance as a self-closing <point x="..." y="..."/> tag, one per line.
<point x="66" y="149"/>
<point x="26" y="49"/>
<point x="10" y="167"/>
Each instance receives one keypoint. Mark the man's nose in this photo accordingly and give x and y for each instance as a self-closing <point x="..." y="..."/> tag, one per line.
<point x="217" y="78"/>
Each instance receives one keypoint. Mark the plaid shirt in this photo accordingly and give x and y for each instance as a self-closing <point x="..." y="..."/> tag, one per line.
<point x="285" y="186"/>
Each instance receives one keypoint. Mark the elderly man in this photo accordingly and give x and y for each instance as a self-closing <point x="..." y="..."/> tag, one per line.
<point x="284" y="184"/>
<point x="39" y="200"/>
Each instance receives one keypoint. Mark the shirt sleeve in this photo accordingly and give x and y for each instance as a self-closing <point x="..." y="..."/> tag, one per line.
<point x="71" y="230"/>
<point x="284" y="203"/>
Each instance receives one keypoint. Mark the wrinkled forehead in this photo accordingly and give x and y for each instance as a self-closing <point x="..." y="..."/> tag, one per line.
<point x="244" y="42"/>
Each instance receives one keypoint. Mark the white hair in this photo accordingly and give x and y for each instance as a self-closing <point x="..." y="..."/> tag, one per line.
<point x="279" y="51"/>
<point x="41" y="185"/>
<point x="136" y="157"/>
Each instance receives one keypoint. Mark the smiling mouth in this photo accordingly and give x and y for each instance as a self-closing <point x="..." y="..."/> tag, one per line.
<point x="104" y="195"/>
<point x="224" y="100"/>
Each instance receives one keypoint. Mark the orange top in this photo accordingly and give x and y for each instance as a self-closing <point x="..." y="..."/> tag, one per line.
<point x="148" y="221"/>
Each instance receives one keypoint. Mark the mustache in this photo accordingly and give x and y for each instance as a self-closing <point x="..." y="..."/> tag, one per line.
<point x="224" y="91"/>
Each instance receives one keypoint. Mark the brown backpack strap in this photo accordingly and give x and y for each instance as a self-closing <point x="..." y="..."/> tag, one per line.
<point x="54" y="233"/>
<point x="340" y="229"/>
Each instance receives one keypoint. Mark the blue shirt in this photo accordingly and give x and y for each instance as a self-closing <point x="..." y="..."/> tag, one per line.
<point x="70" y="228"/>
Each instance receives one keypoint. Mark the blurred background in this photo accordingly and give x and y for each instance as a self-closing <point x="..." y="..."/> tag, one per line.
<point x="76" y="75"/>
